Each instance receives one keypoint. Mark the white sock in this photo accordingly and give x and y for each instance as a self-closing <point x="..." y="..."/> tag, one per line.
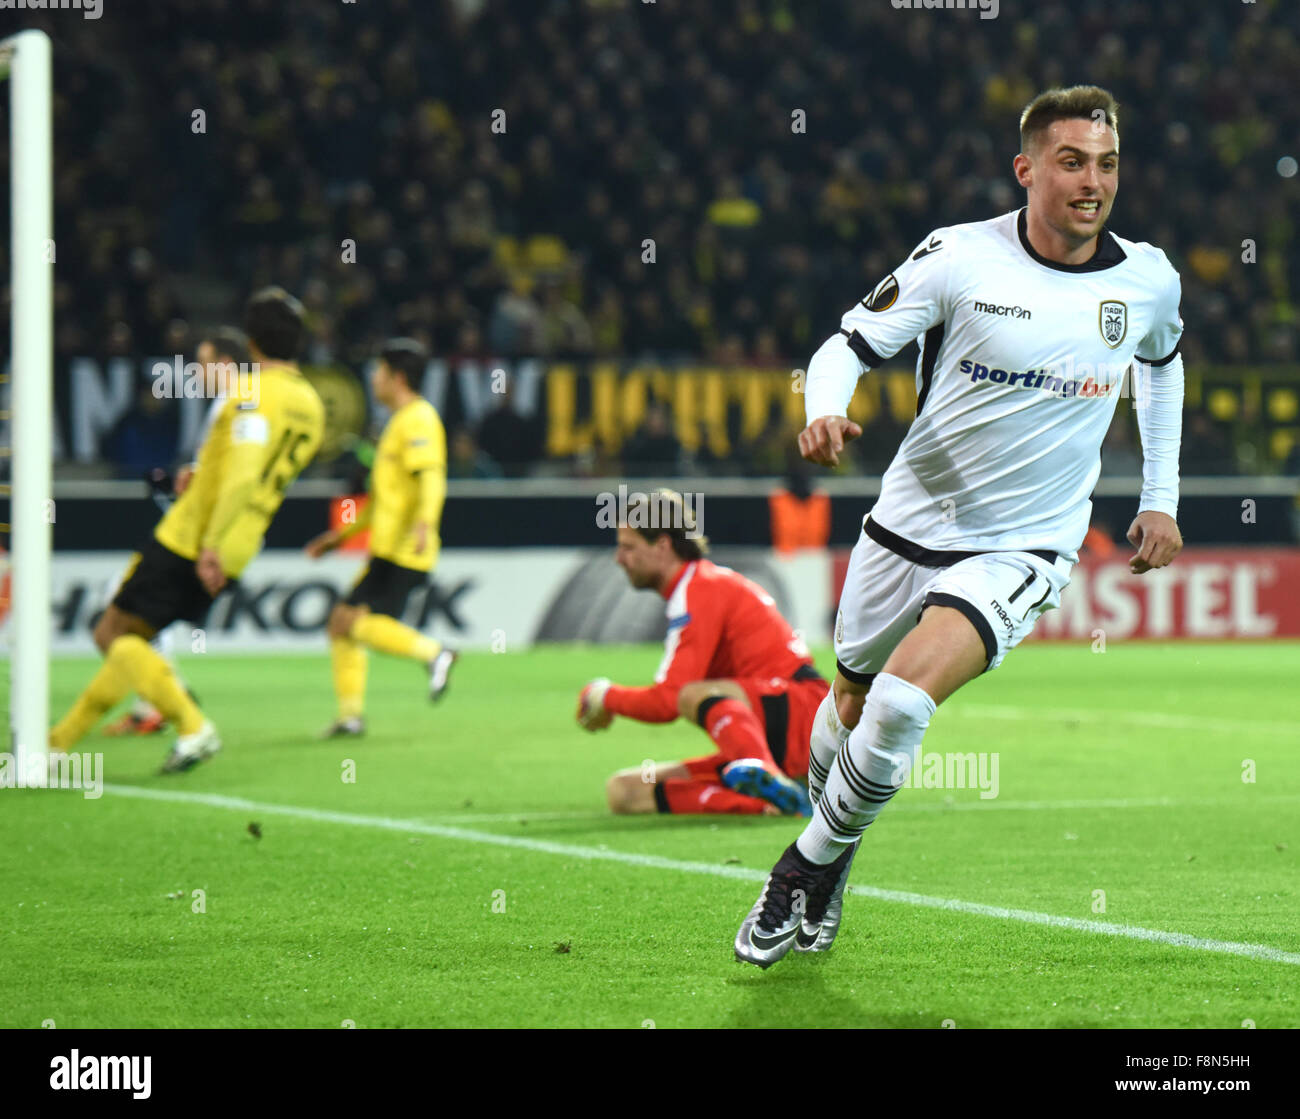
<point x="828" y="735"/>
<point x="869" y="768"/>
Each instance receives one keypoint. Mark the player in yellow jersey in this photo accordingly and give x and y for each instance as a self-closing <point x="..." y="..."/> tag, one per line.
<point x="407" y="487"/>
<point x="221" y="354"/>
<point x="268" y="429"/>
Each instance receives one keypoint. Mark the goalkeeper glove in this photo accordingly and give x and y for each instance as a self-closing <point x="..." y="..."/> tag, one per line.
<point x="591" y="705"/>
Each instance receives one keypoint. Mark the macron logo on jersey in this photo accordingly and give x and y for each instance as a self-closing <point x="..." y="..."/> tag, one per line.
<point x="982" y="308"/>
<point x="1046" y="380"/>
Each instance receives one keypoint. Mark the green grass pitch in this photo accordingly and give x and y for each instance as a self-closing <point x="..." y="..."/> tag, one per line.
<point x="403" y="899"/>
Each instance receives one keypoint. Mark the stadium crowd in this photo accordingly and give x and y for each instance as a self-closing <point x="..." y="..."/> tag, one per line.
<point x="709" y="181"/>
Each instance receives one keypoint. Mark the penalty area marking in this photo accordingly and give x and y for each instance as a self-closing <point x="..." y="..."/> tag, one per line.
<point x="744" y="874"/>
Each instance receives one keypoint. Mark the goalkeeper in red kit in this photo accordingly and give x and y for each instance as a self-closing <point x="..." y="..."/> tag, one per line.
<point x="731" y="663"/>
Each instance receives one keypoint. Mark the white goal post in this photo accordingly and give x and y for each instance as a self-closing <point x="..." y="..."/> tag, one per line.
<point x="27" y="57"/>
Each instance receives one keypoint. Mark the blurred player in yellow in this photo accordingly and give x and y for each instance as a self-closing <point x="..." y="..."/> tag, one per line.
<point x="221" y="353"/>
<point x="268" y="429"/>
<point x="407" y="488"/>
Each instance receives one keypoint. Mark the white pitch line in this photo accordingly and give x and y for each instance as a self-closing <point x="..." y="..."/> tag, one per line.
<point x="514" y="817"/>
<point x="1103" y="928"/>
<point x="659" y="862"/>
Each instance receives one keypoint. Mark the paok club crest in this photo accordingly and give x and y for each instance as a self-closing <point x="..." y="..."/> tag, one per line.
<point x="1113" y="319"/>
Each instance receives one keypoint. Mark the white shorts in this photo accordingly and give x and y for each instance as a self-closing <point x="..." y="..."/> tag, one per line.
<point x="1002" y="594"/>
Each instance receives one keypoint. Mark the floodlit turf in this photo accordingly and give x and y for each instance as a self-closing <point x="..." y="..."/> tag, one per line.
<point x="1120" y="773"/>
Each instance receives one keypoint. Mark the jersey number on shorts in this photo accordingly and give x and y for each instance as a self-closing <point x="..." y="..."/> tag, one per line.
<point x="1024" y="587"/>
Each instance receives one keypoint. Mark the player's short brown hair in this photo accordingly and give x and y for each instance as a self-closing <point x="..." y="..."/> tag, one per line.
<point x="1086" y="102"/>
<point x="229" y="344"/>
<point x="274" y="322"/>
<point x="407" y="357"/>
<point x="665" y="513"/>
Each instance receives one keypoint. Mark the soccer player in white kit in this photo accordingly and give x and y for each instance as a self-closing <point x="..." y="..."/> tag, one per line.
<point x="1027" y="325"/>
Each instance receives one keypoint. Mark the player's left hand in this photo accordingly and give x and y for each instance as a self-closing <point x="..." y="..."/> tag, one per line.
<point x="591" y="706"/>
<point x="1157" y="540"/>
<point x="208" y="568"/>
<point x="421" y="537"/>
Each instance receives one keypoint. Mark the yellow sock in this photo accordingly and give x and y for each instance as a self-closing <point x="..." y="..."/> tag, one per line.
<point x="388" y="635"/>
<point x="154" y="679"/>
<point x="108" y="687"/>
<point x="348" y="660"/>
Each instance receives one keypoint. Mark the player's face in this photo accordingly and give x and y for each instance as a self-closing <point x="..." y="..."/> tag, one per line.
<point x="382" y="382"/>
<point x="1074" y="177"/>
<point x="640" y="559"/>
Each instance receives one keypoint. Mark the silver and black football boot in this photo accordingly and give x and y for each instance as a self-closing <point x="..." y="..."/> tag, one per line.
<point x="769" y="931"/>
<point x="821" y="919"/>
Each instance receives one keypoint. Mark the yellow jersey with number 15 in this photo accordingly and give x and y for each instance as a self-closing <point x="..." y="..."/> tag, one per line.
<point x="408" y="485"/>
<point x="258" y="444"/>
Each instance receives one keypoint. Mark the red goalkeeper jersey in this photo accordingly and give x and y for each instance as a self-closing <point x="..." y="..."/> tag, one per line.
<point x="721" y="626"/>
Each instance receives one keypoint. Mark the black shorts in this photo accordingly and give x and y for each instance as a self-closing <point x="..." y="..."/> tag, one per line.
<point x="162" y="587"/>
<point x="384" y="586"/>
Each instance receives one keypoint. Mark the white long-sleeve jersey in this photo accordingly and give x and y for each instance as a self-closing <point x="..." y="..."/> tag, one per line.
<point x="1022" y="363"/>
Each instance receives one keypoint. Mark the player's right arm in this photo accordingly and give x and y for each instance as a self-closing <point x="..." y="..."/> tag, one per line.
<point x="250" y="435"/>
<point x="1158" y="381"/>
<point x="424" y="454"/>
<point x="903" y="306"/>
<point x="693" y="638"/>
